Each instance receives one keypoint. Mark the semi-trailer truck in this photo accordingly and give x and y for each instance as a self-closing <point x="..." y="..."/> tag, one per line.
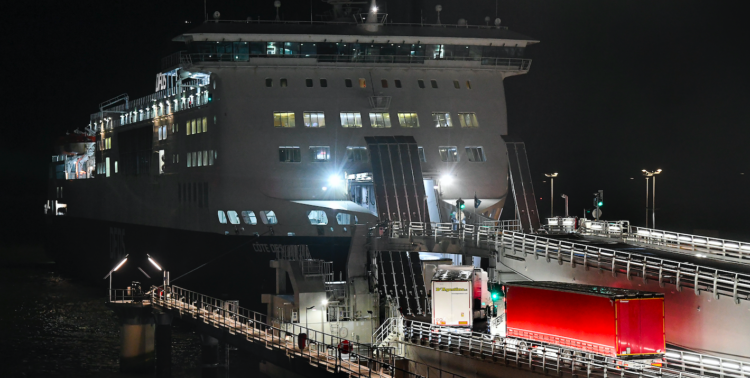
<point x="622" y="323"/>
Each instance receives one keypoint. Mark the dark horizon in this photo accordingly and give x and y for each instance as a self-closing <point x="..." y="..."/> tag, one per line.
<point x="614" y="87"/>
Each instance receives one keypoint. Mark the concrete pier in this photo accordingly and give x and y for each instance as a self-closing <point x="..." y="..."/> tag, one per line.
<point x="137" y="352"/>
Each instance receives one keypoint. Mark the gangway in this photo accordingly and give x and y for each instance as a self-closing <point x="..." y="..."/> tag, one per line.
<point x="530" y="354"/>
<point x="250" y="330"/>
<point x="521" y="184"/>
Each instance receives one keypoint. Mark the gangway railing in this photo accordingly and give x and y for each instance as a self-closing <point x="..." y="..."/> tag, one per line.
<point x="718" y="282"/>
<point x="362" y="361"/>
<point x="686" y="242"/>
<point x="558" y="358"/>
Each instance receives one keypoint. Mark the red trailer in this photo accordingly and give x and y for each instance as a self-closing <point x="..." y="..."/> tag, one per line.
<point x="627" y="324"/>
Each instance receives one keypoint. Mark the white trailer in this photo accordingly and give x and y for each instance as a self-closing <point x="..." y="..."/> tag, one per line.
<point x="451" y="303"/>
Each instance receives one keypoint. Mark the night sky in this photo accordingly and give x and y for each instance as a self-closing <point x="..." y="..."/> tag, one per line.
<point x="615" y="87"/>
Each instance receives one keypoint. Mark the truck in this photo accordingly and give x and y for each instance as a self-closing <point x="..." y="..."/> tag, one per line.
<point x="459" y="295"/>
<point x="621" y="323"/>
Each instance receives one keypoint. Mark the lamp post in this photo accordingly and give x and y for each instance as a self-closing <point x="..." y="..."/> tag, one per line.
<point x="653" y="195"/>
<point x="112" y="271"/>
<point x="552" y="193"/>
<point x="307" y="309"/>
<point x="566" y="204"/>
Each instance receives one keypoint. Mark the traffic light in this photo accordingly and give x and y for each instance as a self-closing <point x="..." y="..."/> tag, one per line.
<point x="600" y="202"/>
<point x="210" y="96"/>
<point x="460" y="204"/>
<point x="496" y="292"/>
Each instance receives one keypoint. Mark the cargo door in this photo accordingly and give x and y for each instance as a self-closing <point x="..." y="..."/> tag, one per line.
<point x="451" y="303"/>
<point x="640" y="327"/>
<point x="653" y="338"/>
<point x="628" y="327"/>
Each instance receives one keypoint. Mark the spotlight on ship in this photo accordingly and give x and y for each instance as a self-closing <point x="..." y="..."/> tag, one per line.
<point x="446" y="179"/>
<point x="334" y="181"/>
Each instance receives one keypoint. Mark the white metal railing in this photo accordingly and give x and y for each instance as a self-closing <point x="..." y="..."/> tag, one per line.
<point x="605" y="228"/>
<point x="708" y="245"/>
<point x="555" y="357"/>
<point x="311" y="22"/>
<point x="362" y="361"/>
<point x="718" y="282"/>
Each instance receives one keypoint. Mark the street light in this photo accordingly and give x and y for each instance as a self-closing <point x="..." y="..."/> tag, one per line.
<point x="166" y="273"/>
<point x="552" y="193"/>
<point x="653" y="196"/>
<point x="110" y="275"/>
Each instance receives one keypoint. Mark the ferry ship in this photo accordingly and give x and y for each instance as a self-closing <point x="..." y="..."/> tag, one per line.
<point x="276" y="140"/>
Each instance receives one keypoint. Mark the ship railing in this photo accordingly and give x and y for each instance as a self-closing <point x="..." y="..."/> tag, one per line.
<point x="507" y="64"/>
<point x="682" y="275"/>
<point x="128" y="296"/>
<point x="565" y="358"/>
<point x="605" y="228"/>
<point x="363" y="360"/>
<point x="392" y="327"/>
<point x="309" y="22"/>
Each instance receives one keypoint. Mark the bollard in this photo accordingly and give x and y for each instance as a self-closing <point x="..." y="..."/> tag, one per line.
<point x="163" y="336"/>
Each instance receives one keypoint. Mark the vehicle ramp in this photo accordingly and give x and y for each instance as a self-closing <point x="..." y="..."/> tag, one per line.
<point x="521" y="184"/>
<point x="397" y="179"/>
<point x="400" y="280"/>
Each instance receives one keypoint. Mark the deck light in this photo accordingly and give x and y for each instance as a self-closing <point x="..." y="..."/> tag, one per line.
<point x="446" y="179"/>
<point x="325" y="302"/>
<point x="120" y="264"/>
<point x="153" y="262"/>
<point x="334" y="181"/>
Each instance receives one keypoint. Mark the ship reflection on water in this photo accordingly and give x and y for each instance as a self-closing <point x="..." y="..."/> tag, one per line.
<point x="53" y="326"/>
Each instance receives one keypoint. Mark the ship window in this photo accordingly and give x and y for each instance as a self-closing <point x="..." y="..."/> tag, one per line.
<point x="380" y="120"/>
<point x="475" y="154"/>
<point x="434" y="83"/>
<point x="210" y="157"/>
<point x="249" y="217"/>
<point x="442" y="119"/>
<point x="282" y="83"/>
<point x="468" y="119"/>
<point x="200" y="159"/>
<point x="188" y="160"/>
<point x="323" y="83"/>
<point x="351" y="119"/>
<point x="320" y="153"/>
<point x="348" y="83"/>
<point x="343" y="218"/>
<point x="468" y="84"/>
<point x="409" y="120"/>
<point x="268" y="217"/>
<point x="233" y="218"/>
<point x="309" y="83"/>
<point x="193" y="126"/>
<point x="222" y="217"/>
<point x="356" y="154"/>
<point x="205" y="157"/>
<point x="269" y="82"/>
<point x="195" y="159"/>
<point x="398" y="83"/>
<point x="187" y="128"/>
<point x="289" y="154"/>
<point x="448" y="154"/>
<point x="107" y="166"/>
<point x="362" y="83"/>
<point x="384" y="83"/>
<point x="314" y="119"/>
<point x="115" y="166"/>
<point x="205" y="126"/>
<point x="420" y="151"/>
<point x="317" y="217"/>
<point x="456" y="84"/>
<point x="421" y="83"/>
<point x="283" y="119"/>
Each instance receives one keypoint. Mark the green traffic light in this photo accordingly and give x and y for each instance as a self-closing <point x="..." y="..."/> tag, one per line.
<point x="600" y="203"/>
<point x="463" y="206"/>
<point x="495" y="296"/>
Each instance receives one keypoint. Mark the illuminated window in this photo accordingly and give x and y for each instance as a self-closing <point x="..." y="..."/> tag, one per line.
<point x="456" y="84"/>
<point x="317" y="217"/>
<point x="362" y="83"/>
<point x="409" y="120"/>
<point x="343" y="218"/>
<point x="356" y="154"/>
<point x="309" y="83"/>
<point x="380" y="120"/>
<point x="205" y="158"/>
<point x="107" y="166"/>
<point x="314" y="119"/>
<point x="323" y="83"/>
<point x="289" y="154"/>
<point x="384" y="83"/>
<point x="448" y="154"/>
<point x="398" y="83"/>
<point x="468" y="84"/>
<point x="269" y="82"/>
<point x="268" y="217"/>
<point x="200" y="159"/>
<point x="351" y="119"/>
<point x="475" y="154"/>
<point x="205" y="124"/>
<point x="421" y="83"/>
<point x="211" y="154"/>
<point x="320" y="153"/>
<point x="188" y="160"/>
<point x="434" y="83"/>
<point x="442" y="120"/>
<point x="222" y="217"/>
<point x="468" y="119"/>
<point x="348" y="83"/>
<point x="249" y="217"/>
<point x="233" y="218"/>
<point x="420" y="151"/>
<point x="195" y="159"/>
<point x="282" y="83"/>
<point x="193" y="124"/>
<point x="283" y="119"/>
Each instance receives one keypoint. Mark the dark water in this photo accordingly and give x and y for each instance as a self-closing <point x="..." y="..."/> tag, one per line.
<point x="52" y="325"/>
